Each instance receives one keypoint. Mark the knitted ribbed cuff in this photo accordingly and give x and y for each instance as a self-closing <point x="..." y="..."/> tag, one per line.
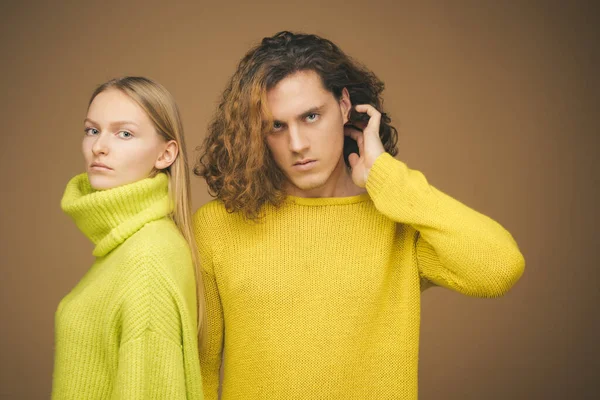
<point x="379" y="176"/>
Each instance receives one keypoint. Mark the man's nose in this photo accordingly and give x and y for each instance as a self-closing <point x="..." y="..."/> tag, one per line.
<point x="298" y="140"/>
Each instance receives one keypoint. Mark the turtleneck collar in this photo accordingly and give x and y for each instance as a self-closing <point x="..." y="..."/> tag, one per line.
<point x="109" y="217"/>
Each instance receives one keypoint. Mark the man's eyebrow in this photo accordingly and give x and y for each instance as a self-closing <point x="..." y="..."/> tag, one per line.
<point x="312" y="110"/>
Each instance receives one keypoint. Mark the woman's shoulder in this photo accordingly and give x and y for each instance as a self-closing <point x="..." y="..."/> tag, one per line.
<point x="157" y="248"/>
<point x="162" y="233"/>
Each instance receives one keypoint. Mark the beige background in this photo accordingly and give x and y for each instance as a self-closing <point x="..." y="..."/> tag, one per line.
<point x="497" y="103"/>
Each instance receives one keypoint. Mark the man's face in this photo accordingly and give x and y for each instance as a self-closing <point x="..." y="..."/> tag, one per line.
<point x="308" y="134"/>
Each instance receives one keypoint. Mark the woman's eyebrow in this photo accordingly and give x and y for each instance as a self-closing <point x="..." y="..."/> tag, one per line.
<point x="112" y="124"/>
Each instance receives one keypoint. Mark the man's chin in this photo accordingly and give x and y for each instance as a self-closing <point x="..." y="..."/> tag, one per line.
<point x="305" y="187"/>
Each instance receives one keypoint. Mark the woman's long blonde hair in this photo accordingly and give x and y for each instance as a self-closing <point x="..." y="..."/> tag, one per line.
<point x="160" y="106"/>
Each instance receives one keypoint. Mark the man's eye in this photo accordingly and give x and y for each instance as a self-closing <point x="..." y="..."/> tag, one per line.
<point x="91" y="131"/>
<point x="312" y="117"/>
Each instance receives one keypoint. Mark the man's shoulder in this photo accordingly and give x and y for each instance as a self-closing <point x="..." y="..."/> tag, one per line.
<point x="211" y="211"/>
<point x="214" y="215"/>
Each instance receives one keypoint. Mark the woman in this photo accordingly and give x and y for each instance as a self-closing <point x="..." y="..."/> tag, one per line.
<point x="128" y="330"/>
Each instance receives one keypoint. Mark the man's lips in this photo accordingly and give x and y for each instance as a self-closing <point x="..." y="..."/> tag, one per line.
<point x="304" y="165"/>
<point x="304" y="162"/>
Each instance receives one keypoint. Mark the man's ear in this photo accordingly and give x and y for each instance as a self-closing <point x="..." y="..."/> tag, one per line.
<point x="345" y="104"/>
<point x="168" y="155"/>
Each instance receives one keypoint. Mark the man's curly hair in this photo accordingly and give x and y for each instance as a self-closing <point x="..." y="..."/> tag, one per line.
<point x="234" y="158"/>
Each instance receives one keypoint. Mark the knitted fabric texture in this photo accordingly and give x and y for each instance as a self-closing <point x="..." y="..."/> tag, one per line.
<point x="321" y="298"/>
<point x="128" y="328"/>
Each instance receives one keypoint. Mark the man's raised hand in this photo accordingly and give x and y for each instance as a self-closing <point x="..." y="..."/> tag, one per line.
<point x="369" y="145"/>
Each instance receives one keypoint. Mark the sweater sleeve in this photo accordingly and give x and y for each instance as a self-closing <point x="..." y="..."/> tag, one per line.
<point x="456" y="247"/>
<point x="150" y="367"/>
<point x="211" y="348"/>
<point x="155" y="361"/>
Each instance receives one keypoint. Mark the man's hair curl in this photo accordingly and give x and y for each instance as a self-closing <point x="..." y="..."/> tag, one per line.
<point x="234" y="158"/>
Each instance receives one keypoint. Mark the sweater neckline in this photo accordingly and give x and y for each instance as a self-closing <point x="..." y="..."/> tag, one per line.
<point x="109" y="217"/>
<point x="328" y="201"/>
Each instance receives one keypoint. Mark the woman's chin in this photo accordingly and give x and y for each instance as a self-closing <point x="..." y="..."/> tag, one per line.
<point x="102" y="182"/>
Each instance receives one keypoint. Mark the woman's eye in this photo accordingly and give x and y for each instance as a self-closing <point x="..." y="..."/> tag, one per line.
<point x="277" y="126"/>
<point x="125" y="135"/>
<point x="91" y="131"/>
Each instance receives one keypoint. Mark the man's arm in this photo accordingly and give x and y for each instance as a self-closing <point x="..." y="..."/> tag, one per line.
<point x="456" y="247"/>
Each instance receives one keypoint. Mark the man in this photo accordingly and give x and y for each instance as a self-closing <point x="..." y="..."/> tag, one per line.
<point x="313" y="268"/>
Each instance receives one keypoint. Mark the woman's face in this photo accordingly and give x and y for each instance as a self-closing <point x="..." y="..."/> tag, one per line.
<point x="121" y="145"/>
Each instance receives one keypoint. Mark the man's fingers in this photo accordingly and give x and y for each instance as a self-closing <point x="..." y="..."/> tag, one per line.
<point x="357" y="136"/>
<point x="361" y="144"/>
<point x="353" y="160"/>
<point x="369" y="109"/>
<point x="353" y="133"/>
<point x="374" y="120"/>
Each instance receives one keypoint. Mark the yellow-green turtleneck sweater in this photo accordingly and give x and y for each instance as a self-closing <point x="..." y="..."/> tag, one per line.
<point x="128" y="329"/>
<point x="321" y="298"/>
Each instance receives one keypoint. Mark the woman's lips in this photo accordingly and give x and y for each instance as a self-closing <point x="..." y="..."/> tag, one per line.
<point x="100" y="167"/>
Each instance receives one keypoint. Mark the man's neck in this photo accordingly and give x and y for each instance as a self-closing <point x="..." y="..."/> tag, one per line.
<point x="339" y="184"/>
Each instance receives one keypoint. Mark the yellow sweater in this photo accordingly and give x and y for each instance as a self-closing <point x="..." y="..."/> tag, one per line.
<point x="321" y="299"/>
<point x="128" y="329"/>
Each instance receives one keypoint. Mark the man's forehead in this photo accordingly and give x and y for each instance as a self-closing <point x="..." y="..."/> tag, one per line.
<point x="297" y="94"/>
